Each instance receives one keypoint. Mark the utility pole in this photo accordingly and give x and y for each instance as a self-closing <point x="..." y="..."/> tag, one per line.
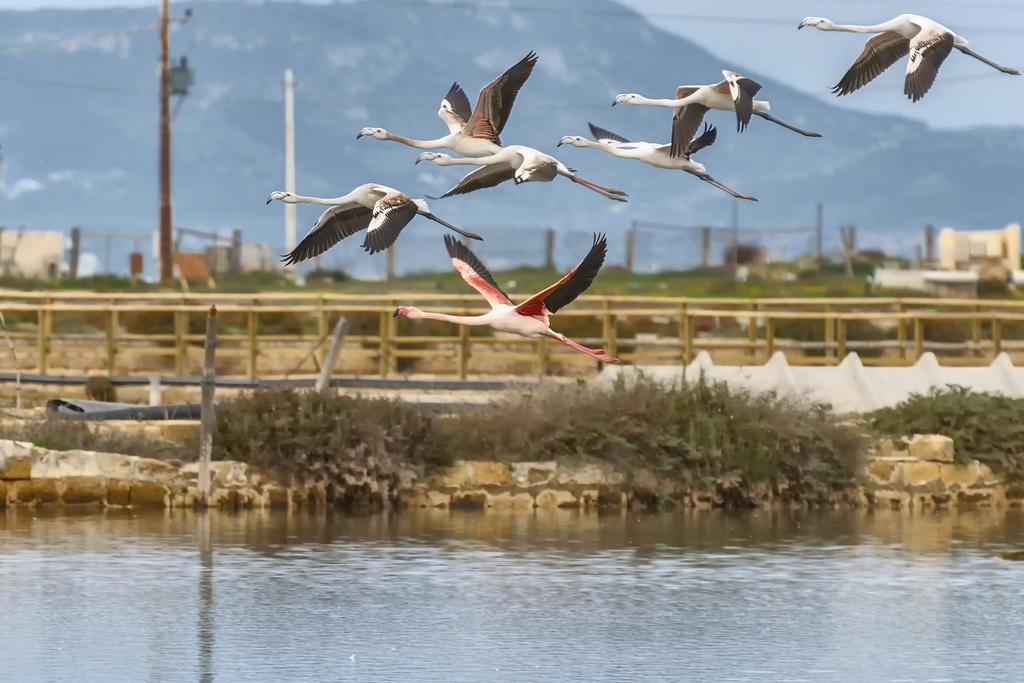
<point x="166" y="256"/>
<point x="705" y="247"/>
<point x="929" y="244"/>
<point x="289" y="158"/>
<point x="549" y="249"/>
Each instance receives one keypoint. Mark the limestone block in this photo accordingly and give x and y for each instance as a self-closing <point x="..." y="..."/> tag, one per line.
<point x="83" y="490"/>
<point x="15" y="459"/>
<point x="881" y="471"/>
<point x="506" y="500"/>
<point x="961" y="475"/>
<point x="229" y="473"/>
<point x="33" y="491"/>
<point x="487" y="473"/>
<point x="148" y="494"/>
<point x="583" y="474"/>
<point x="986" y="476"/>
<point x="919" y="473"/>
<point x="114" y="465"/>
<point x="533" y="473"/>
<point x="153" y="470"/>
<point x="455" y="477"/>
<point x="47" y="464"/>
<point x="931" y="447"/>
<point x="118" y="492"/>
<point x="556" y="498"/>
<point x="224" y="498"/>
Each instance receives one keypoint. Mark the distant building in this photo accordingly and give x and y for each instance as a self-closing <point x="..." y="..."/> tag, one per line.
<point x="252" y="258"/>
<point x="980" y="250"/>
<point x="31" y="254"/>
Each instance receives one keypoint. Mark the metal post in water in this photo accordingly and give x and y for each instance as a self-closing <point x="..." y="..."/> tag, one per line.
<point x="324" y="381"/>
<point x="206" y="410"/>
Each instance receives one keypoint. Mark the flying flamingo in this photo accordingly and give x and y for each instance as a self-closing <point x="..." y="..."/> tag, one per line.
<point x="927" y="42"/>
<point x="380" y="210"/>
<point x="735" y="93"/>
<point x="472" y="133"/>
<point x="655" y="154"/>
<point x="517" y="163"/>
<point x="530" y="318"/>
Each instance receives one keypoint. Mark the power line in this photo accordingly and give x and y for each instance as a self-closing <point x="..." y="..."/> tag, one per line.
<point x="625" y="12"/>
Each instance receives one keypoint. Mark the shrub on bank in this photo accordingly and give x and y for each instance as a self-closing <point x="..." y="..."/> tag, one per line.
<point x="983" y="426"/>
<point x="700" y="429"/>
<point x="324" y="435"/>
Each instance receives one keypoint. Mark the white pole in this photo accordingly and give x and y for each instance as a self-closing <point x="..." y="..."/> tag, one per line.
<point x="289" y="157"/>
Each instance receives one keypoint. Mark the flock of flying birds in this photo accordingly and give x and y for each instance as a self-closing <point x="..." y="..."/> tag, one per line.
<point x="475" y="134"/>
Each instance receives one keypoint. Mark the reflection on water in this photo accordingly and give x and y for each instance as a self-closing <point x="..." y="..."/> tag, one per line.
<point x="436" y="596"/>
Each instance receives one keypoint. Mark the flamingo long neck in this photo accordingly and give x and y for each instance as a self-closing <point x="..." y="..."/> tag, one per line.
<point x="420" y="144"/>
<point x="329" y="201"/>
<point x="471" y="161"/>
<point x="473" y="320"/>
<point x="654" y="102"/>
<point x="856" y="28"/>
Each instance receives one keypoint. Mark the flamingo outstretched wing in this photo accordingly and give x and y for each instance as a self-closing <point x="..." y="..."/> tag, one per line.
<point x="575" y="282"/>
<point x="334" y="225"/>
<point x="475" y="273"/>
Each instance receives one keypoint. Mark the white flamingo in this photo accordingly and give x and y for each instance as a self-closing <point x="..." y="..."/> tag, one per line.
<point x="517" y="163"/>
<point x="654" y="153"/>
<point x="532" y="317"/>
<point x="380" y="210"/>
<point x="473" y="133"/>
<point x="735" y="94"/>
<point x="927" y="42"/>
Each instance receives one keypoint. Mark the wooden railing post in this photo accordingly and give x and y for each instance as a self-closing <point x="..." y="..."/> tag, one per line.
<point x="323" y="383"/>
<point x="543" y="359"/>
<point x="769" y="337"/>
<point x="42" y="340"/>
<point x="901" y="332"/>
<point x="689" y="353"/>
<point x="997" y="337"/>
<point x="841" y="329"/>
<point x="752" y="334"/>
<point x="918" y="338"/>
<point x="682" y="326"/>
<point x="321" y="328"/>
<point x="253" y="330"/>
<point x="111" y="341"/>
<point x="830" y="332"/>
<point x="180" y="346"/>
<point x="976" y="330"/>
<point x="464" y="346"/>
<point x="609" y="329"/>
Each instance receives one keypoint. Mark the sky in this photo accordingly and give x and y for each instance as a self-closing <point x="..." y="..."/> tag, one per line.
<point x="762" y="36"/>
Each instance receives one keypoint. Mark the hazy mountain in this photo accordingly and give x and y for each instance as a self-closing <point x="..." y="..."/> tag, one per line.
<point x="85" y="153"/>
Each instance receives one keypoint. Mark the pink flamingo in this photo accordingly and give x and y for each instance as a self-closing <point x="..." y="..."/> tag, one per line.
<point x="530" y="318"/>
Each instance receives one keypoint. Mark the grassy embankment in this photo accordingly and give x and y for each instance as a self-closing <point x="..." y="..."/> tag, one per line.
<point x="709" y="282"/>
<point x="696" y="433"/>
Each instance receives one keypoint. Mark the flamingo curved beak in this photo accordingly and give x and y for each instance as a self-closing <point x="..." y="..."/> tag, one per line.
<point x="358" y="135"/>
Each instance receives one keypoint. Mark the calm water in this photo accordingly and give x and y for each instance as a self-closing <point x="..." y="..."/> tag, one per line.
<point x="552" y="597"/>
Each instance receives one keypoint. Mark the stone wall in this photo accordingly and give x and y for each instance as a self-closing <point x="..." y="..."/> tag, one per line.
<point x="918" y="474"/>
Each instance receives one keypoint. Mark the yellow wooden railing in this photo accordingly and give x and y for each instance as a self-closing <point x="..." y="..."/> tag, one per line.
<point x="735" y="330"/>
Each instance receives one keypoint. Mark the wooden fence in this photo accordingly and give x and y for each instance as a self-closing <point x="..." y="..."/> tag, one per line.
<point x="885" y="331"/>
